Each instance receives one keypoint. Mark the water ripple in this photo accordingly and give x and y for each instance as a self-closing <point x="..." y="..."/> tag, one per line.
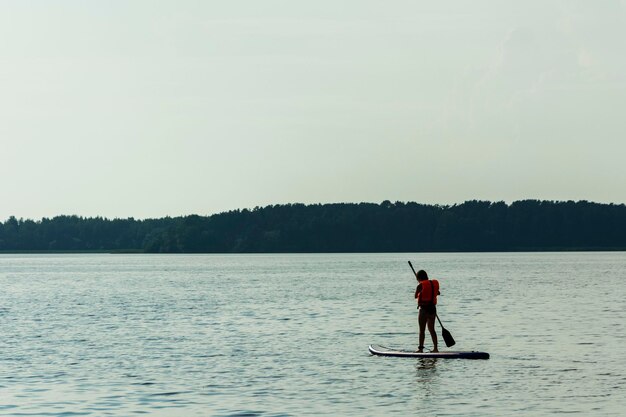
<point x="287" y="335"/>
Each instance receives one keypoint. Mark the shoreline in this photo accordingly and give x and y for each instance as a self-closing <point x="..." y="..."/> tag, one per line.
<point x="141" y="252"/>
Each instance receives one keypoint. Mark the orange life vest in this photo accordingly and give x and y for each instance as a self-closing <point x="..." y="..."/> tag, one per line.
<point x="428" y="294"/>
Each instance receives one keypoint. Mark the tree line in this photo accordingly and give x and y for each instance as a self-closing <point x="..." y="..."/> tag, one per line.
<point x="528" y="225"/>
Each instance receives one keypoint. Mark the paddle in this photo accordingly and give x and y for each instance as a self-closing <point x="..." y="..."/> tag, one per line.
<point x="447" y="337"/>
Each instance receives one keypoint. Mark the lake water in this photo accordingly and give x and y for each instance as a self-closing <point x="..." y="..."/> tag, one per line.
<point x="278" y="335"/>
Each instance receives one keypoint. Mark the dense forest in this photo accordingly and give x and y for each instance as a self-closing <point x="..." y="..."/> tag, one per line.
<point x="366" y="227"/>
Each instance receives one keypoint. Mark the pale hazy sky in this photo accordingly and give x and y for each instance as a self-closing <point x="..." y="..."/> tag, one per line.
<point x="152" y="108"/>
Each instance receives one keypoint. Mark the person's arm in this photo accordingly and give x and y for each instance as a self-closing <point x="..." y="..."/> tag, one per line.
<point x="418" y="290"/>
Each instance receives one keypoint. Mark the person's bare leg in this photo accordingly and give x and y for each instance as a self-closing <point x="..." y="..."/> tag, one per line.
<point x="421" y="318"/>
<point x="433" y="334"/>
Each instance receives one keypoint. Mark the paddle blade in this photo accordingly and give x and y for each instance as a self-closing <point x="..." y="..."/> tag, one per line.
<point x="447" y="337"/>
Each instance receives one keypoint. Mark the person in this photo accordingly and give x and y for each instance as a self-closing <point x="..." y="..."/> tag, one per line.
<point x="426" y="296"/>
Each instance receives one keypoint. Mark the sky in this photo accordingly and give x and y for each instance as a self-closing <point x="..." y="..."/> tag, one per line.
<point x="146" y="108"/>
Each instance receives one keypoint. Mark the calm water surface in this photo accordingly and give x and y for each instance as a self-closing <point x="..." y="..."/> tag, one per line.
<point x="274" y="335"/>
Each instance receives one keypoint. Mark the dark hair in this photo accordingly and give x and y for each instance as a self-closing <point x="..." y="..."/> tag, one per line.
<point x="422" y="275"/>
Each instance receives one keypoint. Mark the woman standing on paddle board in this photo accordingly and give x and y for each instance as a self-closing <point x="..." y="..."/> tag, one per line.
<point x="426" y="296"/>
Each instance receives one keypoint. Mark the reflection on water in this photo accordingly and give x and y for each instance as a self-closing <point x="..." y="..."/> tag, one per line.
<point x="426" y="379"/>
<point x="425" y="364"/>
<point x="426" y="370"/>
